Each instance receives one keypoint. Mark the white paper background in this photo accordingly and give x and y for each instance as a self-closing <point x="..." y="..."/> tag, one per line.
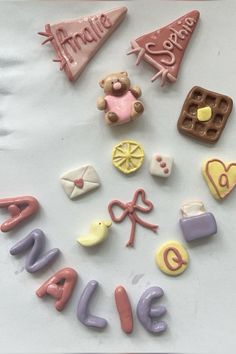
<point x="48" y="126"/>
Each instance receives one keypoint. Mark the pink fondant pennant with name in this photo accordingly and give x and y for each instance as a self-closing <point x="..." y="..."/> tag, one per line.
<point x="76" y="41"/>
<point x="164" y="48"/>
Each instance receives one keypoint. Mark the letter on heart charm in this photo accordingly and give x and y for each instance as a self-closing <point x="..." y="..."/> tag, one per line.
<point x="220" y="177"/>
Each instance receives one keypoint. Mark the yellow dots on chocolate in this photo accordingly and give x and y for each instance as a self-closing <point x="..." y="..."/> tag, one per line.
<point x="204" y="114"/>
<point x="172" y="258"/>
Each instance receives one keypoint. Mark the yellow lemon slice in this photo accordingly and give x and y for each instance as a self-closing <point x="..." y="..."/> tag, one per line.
<point x="127" y="156"/>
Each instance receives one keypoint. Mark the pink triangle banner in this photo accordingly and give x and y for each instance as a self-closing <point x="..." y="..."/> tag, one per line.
<point x="164" y="48"/>
<point x="77" y="41"/>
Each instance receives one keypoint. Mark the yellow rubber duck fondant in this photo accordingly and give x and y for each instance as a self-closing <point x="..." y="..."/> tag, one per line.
<point x="98" y="232"/>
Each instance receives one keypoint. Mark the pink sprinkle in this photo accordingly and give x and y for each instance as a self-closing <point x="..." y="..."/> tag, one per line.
<point x="159" y="158"/>
<point x="163" y="164"/>
<point x="79" y="182"/>
<point x="166" y="170"/>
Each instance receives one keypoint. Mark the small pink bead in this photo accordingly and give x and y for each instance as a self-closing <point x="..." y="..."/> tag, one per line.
<point x="163" y="164"/>
<point x="159" y="158"/>
<point x="166" y="170"/>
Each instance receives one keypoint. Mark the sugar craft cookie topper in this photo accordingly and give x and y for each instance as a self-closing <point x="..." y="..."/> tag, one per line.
<point x="35" y="241"/>
<point x="20" y="208"/>
<point x="220" y="177"/>
<point x="172" y="258"/>
<point x="83" y="313"/>
<point x="149" y="315"/>
<point x="127" y="156"/>
<point x="124" y="309"/>
<point x="130" y="209"/>
<point x="121" y="101"/>
<point x="161" y="165"/>
<point x="164" y="48"/>
<point x="204" y="114"/>
<point x="80" y="181"/>
<point x="196" y="223"/>
<point x="98" y="232"/>
<point x="60" y="286"/>
<point x="76" y="41"/>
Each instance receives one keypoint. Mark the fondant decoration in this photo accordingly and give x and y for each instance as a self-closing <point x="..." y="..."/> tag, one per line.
<point x="220" y="177"/>
<point x="204" y="114"/>
<point x="130" y="209"/>
<point x="127" y="156"/>
<point x="196" y="223"/>
<point x="80" y="181"/>
<point x="120" y="102"/>
<point x="124" y="309"/>
<point x="35" y="241"/>
<point x="149" y="316"/>
<point x="60" y="286"/>
<point x="161" y="165"/>
<point x="76" y="41"/>
<point x="172" y="258"/>
<point x="20" y="208"/>
<point x="164" y="48"/>
<point x="83" y="313"/>
<point x="98" y="232"/>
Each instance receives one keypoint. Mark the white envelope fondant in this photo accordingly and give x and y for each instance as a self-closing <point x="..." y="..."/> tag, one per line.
<point x="79" y="181"/>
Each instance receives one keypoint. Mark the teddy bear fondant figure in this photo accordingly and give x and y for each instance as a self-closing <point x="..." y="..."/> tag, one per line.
<point x="120" y="102"/>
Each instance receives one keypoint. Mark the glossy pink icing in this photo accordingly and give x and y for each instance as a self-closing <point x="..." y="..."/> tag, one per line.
<point x="164" y="47"/>
<point x="20" y="208"/>
<point x="60" y="286"/>
<point x="76" y="41"/>
<point x="121" y="105"/>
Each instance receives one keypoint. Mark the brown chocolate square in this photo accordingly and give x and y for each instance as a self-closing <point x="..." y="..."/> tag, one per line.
<point x="208" y="131"/>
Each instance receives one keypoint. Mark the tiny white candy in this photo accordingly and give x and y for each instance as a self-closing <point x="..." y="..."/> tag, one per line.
<point x="161" y="165"/>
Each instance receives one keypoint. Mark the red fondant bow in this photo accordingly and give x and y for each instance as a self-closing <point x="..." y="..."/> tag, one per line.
<point x="130" y="209"/>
